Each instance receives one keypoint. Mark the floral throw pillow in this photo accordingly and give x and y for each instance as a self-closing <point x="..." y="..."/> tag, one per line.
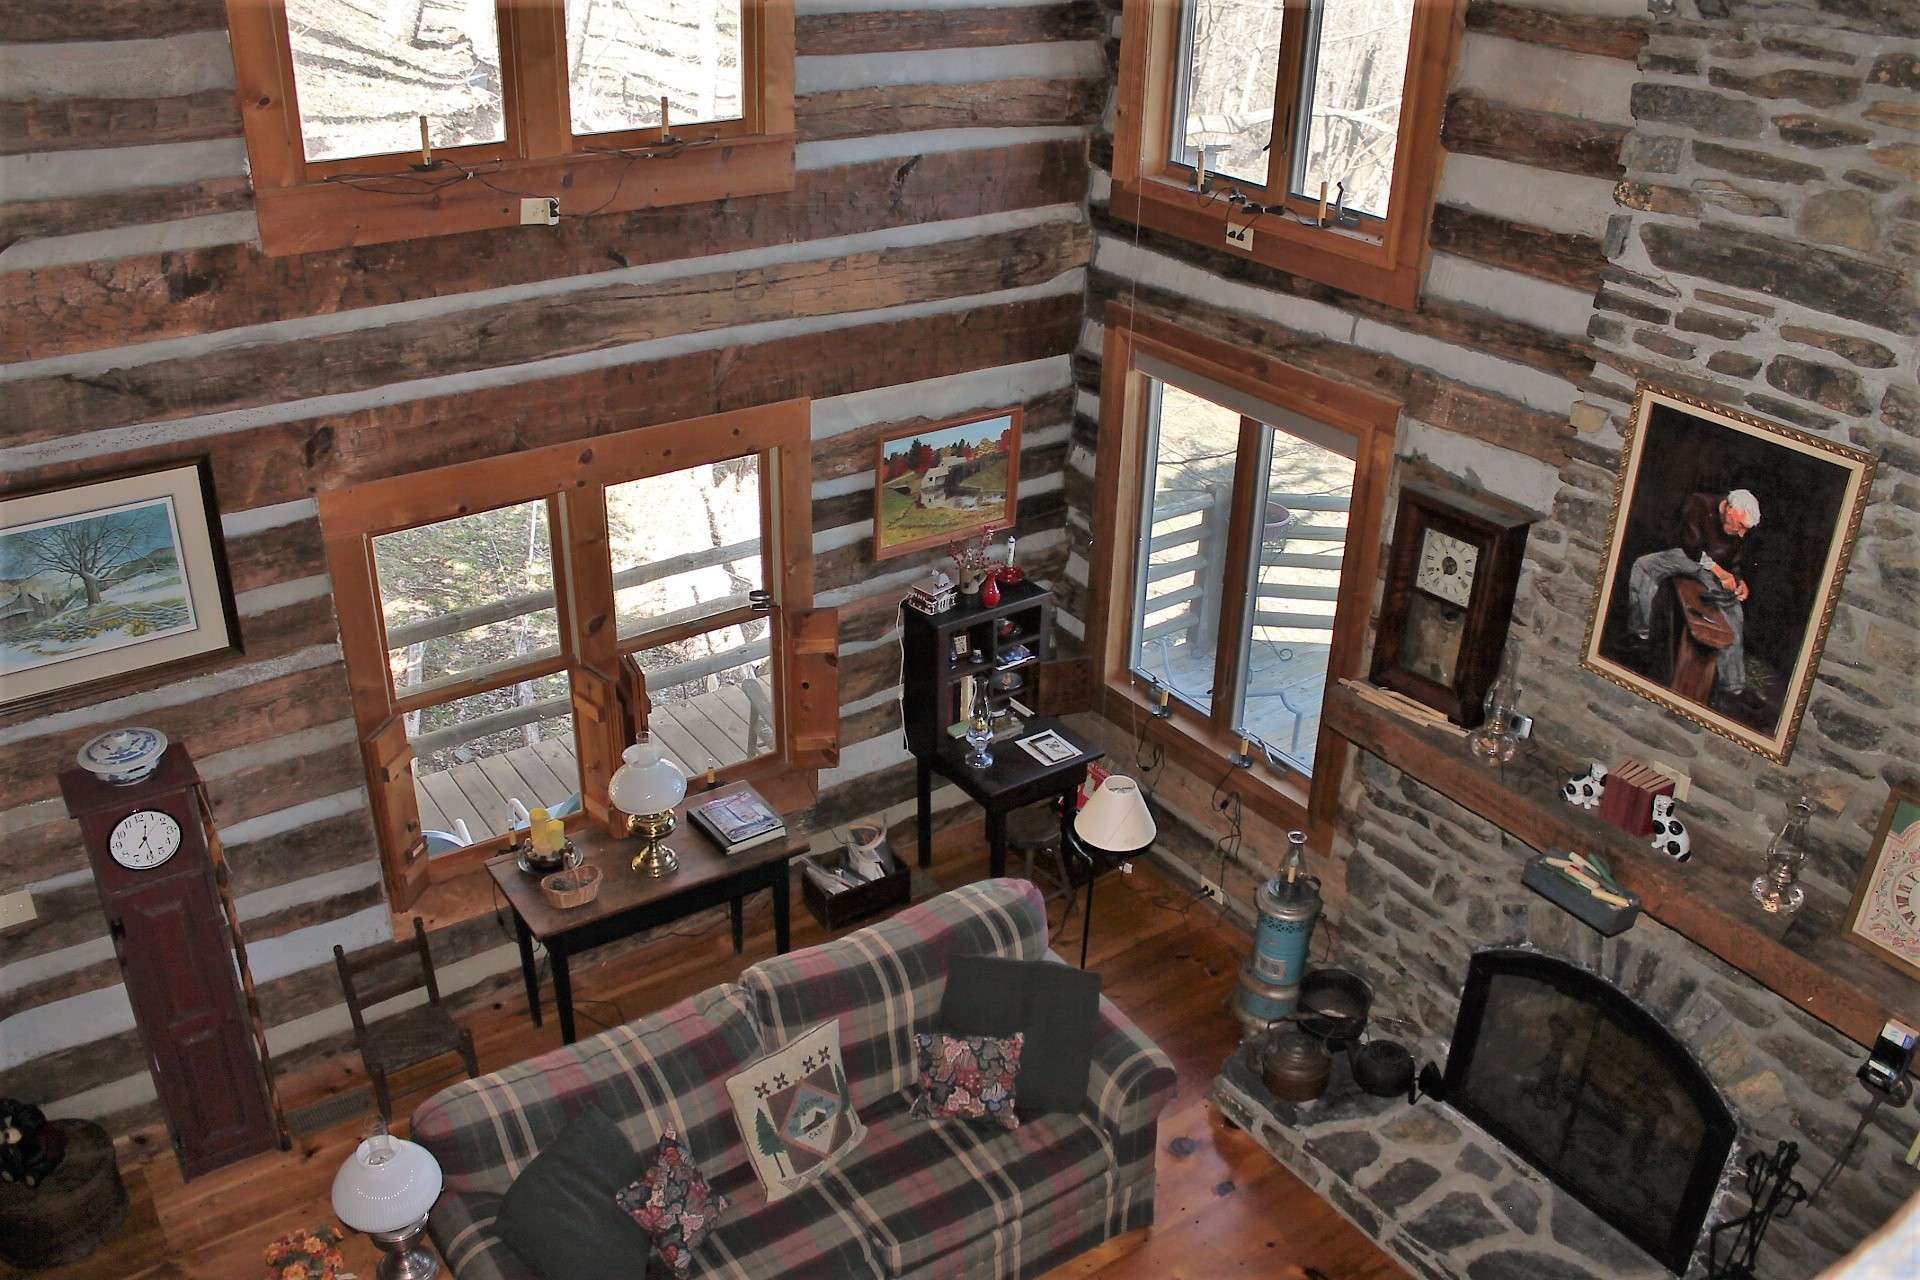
<point x="673" y="1203"/>
<point x="968" y="1077"/>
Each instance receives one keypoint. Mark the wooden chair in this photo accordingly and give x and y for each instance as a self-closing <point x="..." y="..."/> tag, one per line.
<point x="404" y="1039"/>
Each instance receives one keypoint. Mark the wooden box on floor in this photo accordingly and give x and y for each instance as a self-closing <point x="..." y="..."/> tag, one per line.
<point x="838" y="910"/>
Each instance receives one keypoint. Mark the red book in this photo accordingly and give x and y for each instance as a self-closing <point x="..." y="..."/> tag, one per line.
<point x="1626" y="800"/>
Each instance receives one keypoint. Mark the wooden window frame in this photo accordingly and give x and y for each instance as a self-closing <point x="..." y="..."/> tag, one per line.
<point x="1203" y="742"/>
<point x="1384" y="260"/>
<point x="305" y="206"/>
<point x="572" y="478"/>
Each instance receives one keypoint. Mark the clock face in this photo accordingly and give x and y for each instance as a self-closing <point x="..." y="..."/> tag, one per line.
<point x="144" y="839"/>
<point x="1447" y="567"/>
<point x="1890" y="915"/>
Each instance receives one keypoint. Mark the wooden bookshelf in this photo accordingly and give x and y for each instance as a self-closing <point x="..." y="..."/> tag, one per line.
<point x="1803" y="958"/>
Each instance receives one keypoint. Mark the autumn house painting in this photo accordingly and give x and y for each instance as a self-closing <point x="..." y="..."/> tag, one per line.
<point x="946" y="481"/>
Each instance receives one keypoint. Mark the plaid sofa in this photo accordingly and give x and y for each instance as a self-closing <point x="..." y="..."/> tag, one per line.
<point x="916" y="1198"/>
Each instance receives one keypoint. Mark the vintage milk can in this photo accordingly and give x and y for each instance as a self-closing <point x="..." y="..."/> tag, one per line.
<point x="1270" y="979"/>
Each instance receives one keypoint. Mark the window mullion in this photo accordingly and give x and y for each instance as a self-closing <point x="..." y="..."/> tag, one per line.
<point x="1289" y="118"/>
<point x="533" y="53"/>
<point x="1248" y="483"/>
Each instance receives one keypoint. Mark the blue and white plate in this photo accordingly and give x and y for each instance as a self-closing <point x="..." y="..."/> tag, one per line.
<point x="123" y="755"/>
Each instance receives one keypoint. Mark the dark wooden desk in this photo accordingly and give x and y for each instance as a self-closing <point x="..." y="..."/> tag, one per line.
<point x="1013" y="781"/>
<point x="630" y="902"/>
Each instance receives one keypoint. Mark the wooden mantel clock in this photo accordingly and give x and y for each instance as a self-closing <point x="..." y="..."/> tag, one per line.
<point x="155" y="872"/>
<point x="1451" y="577"/>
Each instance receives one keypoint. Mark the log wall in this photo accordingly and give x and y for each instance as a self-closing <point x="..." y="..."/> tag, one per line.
<point x="930" y="260"/>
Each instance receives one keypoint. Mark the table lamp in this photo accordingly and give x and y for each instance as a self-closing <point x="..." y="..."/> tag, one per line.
<point x="645" y="788"/>
<point x="385" y="1189"/>
<point x="1116" y="821"/>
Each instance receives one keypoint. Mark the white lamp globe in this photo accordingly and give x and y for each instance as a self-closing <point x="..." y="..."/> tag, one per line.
<point x="386" y="1185"/>
<point x="1116" y="819"/>
<point x="647" y="782"/>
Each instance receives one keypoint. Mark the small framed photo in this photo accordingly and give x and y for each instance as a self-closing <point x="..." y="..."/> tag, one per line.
<point x="946" y="481"/>
<point x="1048" y="747"/>
<point x="1885" y="916"/>
<point x="107" y="580"/>
<point x="1729" y="541"/>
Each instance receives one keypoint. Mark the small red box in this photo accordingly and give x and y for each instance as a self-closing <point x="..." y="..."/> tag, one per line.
<point x="1626" y="801"/>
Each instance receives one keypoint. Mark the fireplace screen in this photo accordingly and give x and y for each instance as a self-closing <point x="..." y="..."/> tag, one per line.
<point x="1591" y="1090"/>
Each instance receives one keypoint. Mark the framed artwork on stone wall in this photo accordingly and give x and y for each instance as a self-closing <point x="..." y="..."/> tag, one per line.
<point x="1885" y="916"/>
<point x="108" y="580"/>
<point x="1728" y="541"/>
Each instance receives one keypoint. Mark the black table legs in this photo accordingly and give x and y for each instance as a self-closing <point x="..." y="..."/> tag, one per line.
<point x="782" y="915"/>
<point x="923" y="782"/>
<point x="562" y="993"/>
<point x="996" y="841"/>
<point x="524" y="937"/>
<point x="737" y="909"/>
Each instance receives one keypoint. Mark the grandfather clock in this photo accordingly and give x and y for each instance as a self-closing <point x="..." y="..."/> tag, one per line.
<point x="155" y="872"/>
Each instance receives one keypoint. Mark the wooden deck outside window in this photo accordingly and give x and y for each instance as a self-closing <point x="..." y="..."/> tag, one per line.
<point x="509" y="623"/>
<point x="1278" y="101"/>
<point x="1238" y="509"/>
<point x="373" y="122"/>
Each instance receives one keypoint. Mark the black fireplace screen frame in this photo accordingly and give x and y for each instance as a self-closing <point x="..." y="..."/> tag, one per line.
<point x="1674" y="1249"/>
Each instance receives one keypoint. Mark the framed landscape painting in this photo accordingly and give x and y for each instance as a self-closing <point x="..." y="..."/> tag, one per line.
<point x="104" y="580"/>
<point x="1729" y="540"/>
<point x="1885" y="915"/>
<point x="949" y="480"/>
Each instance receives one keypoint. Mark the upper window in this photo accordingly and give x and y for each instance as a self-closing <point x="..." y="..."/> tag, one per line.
<point x="1240" y="573"/>
<point x="1316" y="122"/>
<point x="370" y="122"/>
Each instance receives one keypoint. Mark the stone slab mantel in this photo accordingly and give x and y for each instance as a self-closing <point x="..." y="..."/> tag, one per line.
<point x="1804" y="959"/>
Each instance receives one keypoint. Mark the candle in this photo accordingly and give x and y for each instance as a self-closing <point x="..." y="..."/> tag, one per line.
<point x="1323" y="204"/>
<point x="1245" y="747"/>
<point x="1160" y="693"/>
<point x="1200" y="172"/>
<point x="426" y="148"/>
<point x="713" y="777"/>
<point x="666" y="124"/>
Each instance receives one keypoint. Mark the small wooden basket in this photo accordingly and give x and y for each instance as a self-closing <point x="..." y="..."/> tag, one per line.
<point x="572" y="887"/>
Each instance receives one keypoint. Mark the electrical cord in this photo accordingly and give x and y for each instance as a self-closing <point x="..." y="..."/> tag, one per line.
<point x="416" y="185"/>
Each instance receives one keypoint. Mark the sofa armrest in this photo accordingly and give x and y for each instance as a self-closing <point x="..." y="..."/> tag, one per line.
<point x="1130" y="1084"/>
<point x="463" y="1227"/>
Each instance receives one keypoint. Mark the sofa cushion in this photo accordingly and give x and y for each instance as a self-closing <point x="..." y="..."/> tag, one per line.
<point x="925" y="1188"/>
<point x="1057" y="1007"/>
<point x="884" y="982"/>
<point x="666" y="1070"/>
<point x="793" y="1112"/>
<point x="559" y="1215"/>
<point x="673" y="1203"/>
<point x="967" y="1077"/>
<point x="802" y="1236"/>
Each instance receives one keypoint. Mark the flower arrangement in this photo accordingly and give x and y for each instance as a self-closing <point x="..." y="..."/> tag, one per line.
<point x="308" y="1255"/>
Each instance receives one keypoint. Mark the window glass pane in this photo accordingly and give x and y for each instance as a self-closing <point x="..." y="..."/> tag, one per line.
<point x="623" y="56"/>
<point x="1294" y="583"/>
<point x="467" y="595"/>
<point x="686" y="544"/>
<point x="1186" y="505"/>
<point x="1358" y="74"/>
<point x="712" y="697"/>
<point x="366" y="71"/>
<point x="1229" y="64"/>
<point x="473" y="755"/>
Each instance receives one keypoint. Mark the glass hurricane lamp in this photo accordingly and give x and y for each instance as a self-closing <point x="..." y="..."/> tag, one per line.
<point x="1777" y="889"/>
<point x="645" y="789"/>
<point x="385" y="1189"/>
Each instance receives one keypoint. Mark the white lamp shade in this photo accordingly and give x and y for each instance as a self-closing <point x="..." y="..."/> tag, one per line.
<point x="647" y="782"/>
<point x="387" y="1183"/>
<point x="1116" y="819"/>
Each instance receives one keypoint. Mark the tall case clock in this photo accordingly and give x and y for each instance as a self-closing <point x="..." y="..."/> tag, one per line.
<point x="1451" y="576"/>
<point x="154" y="871"/>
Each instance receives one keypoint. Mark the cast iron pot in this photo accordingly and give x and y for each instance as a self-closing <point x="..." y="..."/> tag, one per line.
<point x="1295" y="1066"/>
<point x="1333" y="1005"/>
<point x="1383" y="1068"/>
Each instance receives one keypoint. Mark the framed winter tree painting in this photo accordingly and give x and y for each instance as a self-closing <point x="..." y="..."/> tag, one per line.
<point x="108" y="580"/>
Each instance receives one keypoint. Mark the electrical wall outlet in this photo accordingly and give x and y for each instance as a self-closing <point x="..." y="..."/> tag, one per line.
<point x="16" y="908"/>
<point x="1211" y="892"/>
<point x="1239" y="236"/>
<point x="539" y="211"/>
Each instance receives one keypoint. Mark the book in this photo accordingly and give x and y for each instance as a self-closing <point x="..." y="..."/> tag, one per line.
<point x="738" y="818"/>
<point x="1048" y="747"/>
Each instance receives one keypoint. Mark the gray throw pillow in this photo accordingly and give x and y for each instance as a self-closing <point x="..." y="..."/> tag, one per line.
<point x="1055" y="1005"/>
<point x="560" y="1216"/>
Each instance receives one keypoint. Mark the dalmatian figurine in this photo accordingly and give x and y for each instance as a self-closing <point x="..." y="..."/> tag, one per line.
<point x="1583" y="790"/>
<point x="1669" y="833"/>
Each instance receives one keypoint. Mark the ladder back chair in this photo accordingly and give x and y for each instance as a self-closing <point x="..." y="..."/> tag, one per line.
<point x="407" y="1038"/>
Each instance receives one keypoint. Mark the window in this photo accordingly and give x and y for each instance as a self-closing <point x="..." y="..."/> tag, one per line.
<point x="483" y="666"/>
<point x="373" y="122"/>
<point x="1237" y="489"/>
<point x="1280" y="102"/>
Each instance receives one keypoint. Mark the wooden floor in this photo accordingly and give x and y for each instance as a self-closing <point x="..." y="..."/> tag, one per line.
<point x="1224" y="1207"/>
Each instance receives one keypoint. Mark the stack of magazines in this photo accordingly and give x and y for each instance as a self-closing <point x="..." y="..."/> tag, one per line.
<point x="738" y="819"/>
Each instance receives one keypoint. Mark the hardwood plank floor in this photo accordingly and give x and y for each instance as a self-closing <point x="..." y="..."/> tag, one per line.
<point x="1224" y="1207"/>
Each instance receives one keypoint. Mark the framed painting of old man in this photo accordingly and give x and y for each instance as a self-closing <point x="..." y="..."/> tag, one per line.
<point x="1729" y="539"/>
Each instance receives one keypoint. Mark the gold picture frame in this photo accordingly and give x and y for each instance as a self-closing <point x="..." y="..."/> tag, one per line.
<point x="1888" y="895"/>
<point x="1732" y="648"/>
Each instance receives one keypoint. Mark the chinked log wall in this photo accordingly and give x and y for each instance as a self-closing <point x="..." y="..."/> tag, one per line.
<point x="929" y="261"/>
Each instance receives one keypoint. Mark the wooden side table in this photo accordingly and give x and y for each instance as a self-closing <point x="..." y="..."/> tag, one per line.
<point x="69" y="1215"/>
<point x="1013" y="781"/>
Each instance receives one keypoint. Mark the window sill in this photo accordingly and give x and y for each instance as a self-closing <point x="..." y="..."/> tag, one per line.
<point x="1284" y="799"/>
<point x="337" y="215"/>
<point x="1385" y="270"/>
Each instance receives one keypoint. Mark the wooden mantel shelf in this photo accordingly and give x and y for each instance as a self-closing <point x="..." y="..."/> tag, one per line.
<point x="1803" y="959"/>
